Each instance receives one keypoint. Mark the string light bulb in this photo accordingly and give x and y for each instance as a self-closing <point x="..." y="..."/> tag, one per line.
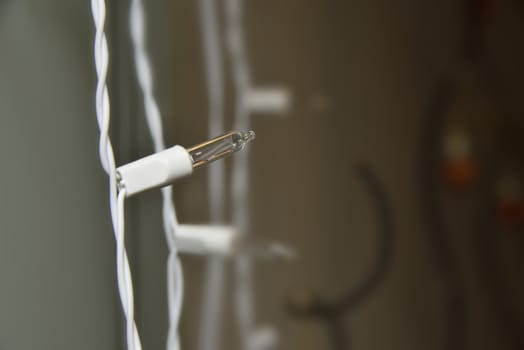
<point x="165" y="167"/>
<point x="219" y="147"/>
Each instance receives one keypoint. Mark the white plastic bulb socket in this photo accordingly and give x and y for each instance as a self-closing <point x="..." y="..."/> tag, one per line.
<point x="270" y="100"/>
<point x="165" y="167"/>
<point x="156" y="170"/>
<point x="264" y="338"/>
<point x="207" y="239"/>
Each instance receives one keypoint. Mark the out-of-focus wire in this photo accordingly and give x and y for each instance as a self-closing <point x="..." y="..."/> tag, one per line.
<point x="116" y="200"/>
<point x="385" y="241"/>
<point x="213" y="295"/>
<point x="175" y="281"/>
<point x="334" y="312"/>
<point x="244" y="292"/>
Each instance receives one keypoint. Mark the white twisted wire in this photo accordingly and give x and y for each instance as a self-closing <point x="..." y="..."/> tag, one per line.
<point x="213" y="291"/>
<point x="144" y="73"/>
<point x="240" y="178"/>
<point x="116" y="200"/>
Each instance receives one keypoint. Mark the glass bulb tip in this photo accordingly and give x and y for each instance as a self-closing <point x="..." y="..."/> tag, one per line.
<point x="248" y="136"/>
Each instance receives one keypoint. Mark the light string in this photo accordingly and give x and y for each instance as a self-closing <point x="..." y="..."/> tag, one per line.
<point x="244" y="290"/>
<point x="213" y="294"/>
<point x="175" y="280"/>
<point x="116" y="197"/>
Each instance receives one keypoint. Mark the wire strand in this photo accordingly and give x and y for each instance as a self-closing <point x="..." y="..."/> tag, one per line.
<point x="107" y="159"/>
<point x="175" y="280"/>
<point x="213" y="295"/>
<point x="240" y="193"/>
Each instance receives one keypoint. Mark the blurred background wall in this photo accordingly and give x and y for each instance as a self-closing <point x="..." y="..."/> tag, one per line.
<point x="363" y="76"/>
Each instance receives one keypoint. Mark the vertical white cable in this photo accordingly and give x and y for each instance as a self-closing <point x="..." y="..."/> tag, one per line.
<point x="154" y="121"/>
<point x="214" y="289"/>
<point x="116" y="200"/>
<point x="240" y="180"/>
<point x="213" y="295"/>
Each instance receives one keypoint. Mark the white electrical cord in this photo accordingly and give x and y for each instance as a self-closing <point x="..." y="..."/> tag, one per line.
<point x="116" y="198"/>
<point x="240" y="192"/>
<point x="175" y="280"/>
<point x="213" y="295"/>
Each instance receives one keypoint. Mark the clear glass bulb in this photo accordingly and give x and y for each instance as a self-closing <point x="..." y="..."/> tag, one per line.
<point x="219" y="147"/>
